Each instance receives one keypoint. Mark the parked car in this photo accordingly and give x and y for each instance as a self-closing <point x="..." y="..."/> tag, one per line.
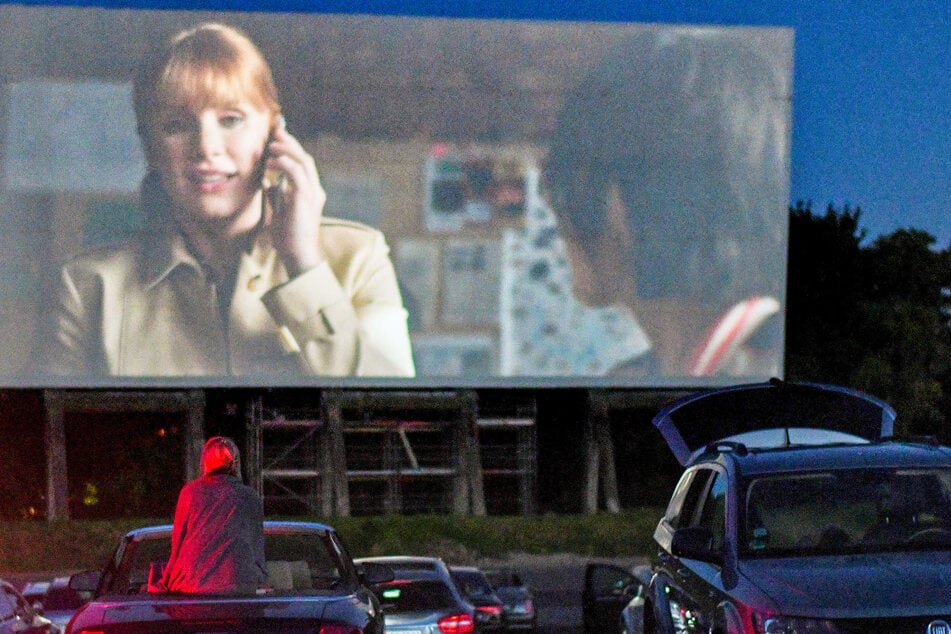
<point x="479" y="592"/>
<point x="520" y="612"/>
<point x="18" y="616"/>
<point x="59" y="602"/>
<point x="33" y="591"/>
<point x="799" y="512"/>
<point x="422" y="597"/>
<point x="313" y="586"/>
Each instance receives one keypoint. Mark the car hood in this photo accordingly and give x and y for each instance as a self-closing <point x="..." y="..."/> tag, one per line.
<point x="847" y="586"/>
<point x="694" y="422"/>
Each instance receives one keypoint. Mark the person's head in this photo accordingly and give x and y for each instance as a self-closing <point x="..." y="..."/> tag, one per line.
<point x="667" y="162"/>
<point x="221" y="455"/>
<point x="205" y="106"/>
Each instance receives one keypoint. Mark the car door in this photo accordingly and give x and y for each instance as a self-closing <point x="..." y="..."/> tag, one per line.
<point x="607" y="590"/>
<point x="686" y="591"/>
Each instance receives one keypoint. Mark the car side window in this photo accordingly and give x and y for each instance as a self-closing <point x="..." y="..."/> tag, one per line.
<point x="713" y="514"/>
<point x="683" y="502"/>
<point x="682" y="509"/>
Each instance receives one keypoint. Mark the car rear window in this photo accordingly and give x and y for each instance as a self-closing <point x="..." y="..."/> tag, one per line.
<point x="473" y="583"/>
<point x="62" y="599"/>
<point x="414" y="596"/>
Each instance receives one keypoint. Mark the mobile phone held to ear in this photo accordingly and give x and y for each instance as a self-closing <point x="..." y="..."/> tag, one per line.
<point x="274" y="181"/>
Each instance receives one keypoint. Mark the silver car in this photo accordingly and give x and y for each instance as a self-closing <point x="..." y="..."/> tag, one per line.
<point x="422" y="598"/>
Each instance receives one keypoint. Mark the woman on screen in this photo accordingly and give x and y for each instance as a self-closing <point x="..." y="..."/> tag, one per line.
<point x="238" y="272"/>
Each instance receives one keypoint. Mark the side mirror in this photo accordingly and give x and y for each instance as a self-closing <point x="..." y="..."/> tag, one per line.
<point x="373" y="573"/>
<point x="695" y="542"/>
<point x="85" y="581"/>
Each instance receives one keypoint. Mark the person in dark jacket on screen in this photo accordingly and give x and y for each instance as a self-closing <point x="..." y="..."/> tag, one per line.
<point x="218" y="532"/>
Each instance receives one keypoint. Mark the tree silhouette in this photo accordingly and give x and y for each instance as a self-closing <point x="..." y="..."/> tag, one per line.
<point x="875" y="318"/>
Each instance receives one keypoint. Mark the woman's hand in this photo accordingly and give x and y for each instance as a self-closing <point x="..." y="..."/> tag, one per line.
<point x="298" y="203"/>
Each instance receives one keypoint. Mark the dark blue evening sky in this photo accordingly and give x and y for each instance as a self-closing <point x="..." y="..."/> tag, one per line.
<point x="871" y="87"/>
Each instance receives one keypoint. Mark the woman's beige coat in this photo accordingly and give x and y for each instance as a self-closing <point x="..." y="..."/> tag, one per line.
<point x="149" y="309"/>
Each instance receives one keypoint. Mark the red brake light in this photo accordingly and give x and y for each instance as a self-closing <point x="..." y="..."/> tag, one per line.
<point x="456" y="624"/>
<point x="490" y="609"/>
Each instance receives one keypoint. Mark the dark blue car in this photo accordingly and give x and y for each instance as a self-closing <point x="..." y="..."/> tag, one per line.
<point x="313" y="587"/>
<point x="797" y="512"/>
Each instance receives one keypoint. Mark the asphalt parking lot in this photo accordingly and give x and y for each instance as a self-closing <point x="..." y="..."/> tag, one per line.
<point x="557" y="583"/>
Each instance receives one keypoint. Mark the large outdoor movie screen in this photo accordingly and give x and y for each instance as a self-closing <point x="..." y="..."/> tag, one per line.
<point x="298" y="199"/>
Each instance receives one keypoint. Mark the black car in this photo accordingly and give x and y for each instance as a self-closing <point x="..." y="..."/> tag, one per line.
<point x="799" y="512"/>
<point x="59" y="602"/>
<point x="520" y="611"/>
<point x="313" y="586"/>
<point x="489" y="607"/>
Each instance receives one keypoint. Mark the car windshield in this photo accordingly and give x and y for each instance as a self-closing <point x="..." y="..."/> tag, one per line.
<point x="848" y="511"/>
<point x="297" y="563"/>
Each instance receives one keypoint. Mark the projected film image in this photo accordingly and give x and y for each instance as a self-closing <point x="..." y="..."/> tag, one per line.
<point x="263" y="199"/>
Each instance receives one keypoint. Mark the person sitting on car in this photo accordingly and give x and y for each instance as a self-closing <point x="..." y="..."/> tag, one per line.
<point x="218" y="532"/>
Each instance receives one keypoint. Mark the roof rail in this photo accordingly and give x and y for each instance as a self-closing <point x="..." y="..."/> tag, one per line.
<point x="719" y="446"/>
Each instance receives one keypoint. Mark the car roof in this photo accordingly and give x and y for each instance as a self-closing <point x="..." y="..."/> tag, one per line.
<point x="693" y="423"/>
<point x="402" y="559"/>
<point x="35" y="587"/>
<point x="888" y="453"/>
<point x="472" y="570"/>
<point x="411" y="566"/>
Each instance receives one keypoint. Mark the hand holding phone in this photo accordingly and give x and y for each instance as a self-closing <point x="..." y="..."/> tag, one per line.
<point x="274" y="180"/>
<point x="297" y="199"/>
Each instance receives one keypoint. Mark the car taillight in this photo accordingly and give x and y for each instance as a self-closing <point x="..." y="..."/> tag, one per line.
<point x="456" y="624"/>
<point x="492" y="610"/>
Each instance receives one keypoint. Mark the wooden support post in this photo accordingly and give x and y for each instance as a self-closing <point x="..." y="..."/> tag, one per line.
<point x="599" y="412"/>
<point x="326" y="455"/>
<point x="591" y="462"/>
<point x="253" y="444"/>
<point x="339" y="487"/>
<point x="600" y="473"/>
<point x="461" y="504"/>
<point x="193" y="402"/>
<point x="469" y="412"/>
<point x="57" y="481"/>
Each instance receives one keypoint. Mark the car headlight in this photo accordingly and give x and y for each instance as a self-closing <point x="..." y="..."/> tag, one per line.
<point x="794" y="625"/>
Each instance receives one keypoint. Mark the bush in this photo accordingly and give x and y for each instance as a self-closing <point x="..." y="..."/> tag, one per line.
<point x="68" y="546"/>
